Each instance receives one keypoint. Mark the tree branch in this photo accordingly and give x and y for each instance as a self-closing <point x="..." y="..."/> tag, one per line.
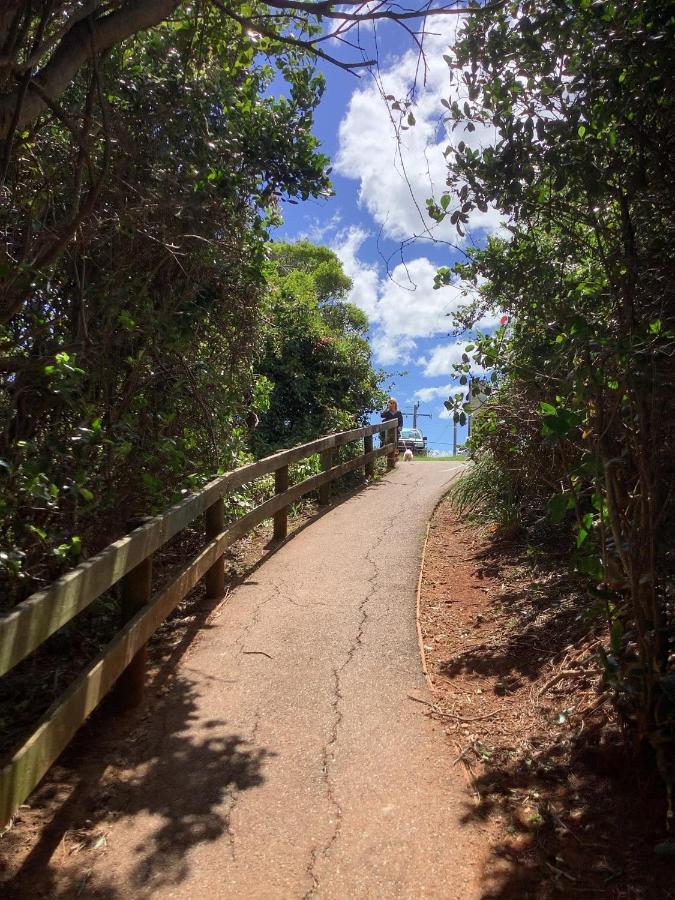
<point x="71" y="44"/>
<point x="74" y="49"/>
<point x="309" y="46"/>
<point x="328" y="10"/>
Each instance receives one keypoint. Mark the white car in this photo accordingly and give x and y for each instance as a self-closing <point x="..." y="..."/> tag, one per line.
<point x="412" y="439"/>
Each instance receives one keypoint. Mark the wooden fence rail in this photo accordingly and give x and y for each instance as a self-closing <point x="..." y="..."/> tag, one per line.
<point x="130" y="560"/>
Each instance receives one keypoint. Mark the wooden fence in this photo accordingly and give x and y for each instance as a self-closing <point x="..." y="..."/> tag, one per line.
<point x="129" y="560"/>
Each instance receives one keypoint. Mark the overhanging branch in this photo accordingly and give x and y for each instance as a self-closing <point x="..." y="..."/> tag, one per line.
<point x="73" y="50"/>
<point x="69" y="46"/>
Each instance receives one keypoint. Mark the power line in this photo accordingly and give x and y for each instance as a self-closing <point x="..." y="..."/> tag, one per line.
<point x="415" y="414"/>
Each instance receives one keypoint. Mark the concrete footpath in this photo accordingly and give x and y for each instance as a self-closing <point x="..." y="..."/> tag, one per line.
<point x="290" y="761"/>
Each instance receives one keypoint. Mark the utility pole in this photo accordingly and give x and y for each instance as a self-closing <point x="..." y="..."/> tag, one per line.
<point x="417" y="415"/>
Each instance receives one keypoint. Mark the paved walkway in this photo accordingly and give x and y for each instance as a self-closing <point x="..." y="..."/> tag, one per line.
<point x="291" y="762"/>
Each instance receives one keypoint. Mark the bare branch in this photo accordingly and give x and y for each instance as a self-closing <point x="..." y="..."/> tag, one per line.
<point x="309" y="46"/>
<point x="70" y="43"/>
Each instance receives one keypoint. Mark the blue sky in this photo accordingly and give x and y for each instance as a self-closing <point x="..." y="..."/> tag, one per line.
<point x="381" y="187"/>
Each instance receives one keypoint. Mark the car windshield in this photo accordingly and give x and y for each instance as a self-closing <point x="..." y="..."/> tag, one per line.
<point x="411" y="434"/>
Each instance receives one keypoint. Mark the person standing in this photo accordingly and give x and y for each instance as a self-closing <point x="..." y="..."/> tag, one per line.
<point x="393" y="412"/>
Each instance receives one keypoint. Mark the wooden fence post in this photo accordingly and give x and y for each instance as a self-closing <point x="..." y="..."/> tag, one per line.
<point x="368" y="448"/>
<point x="136" y="589"/>
<point x="281" y="517"/>
<point x="391" y="456"/>
<point x="215" y="524"/>
<point x="326" y="463"/>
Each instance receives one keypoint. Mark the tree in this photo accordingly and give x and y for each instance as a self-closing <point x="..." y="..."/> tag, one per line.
<point x="46" y="46"/>
<point x="579" y="96"/>
<point x="128" y="366"/>
<point x="316" y="355"/>
<point x="60" y="63"/>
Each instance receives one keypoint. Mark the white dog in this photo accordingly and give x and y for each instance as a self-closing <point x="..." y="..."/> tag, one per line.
<point x="408" y="456"/>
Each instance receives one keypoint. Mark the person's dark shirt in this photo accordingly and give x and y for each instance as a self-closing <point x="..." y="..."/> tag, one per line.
<point x="388" y="414"/>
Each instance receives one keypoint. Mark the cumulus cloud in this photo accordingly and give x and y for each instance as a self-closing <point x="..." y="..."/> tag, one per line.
<point x="390" y="349"/>
<point x="442" y="359"/>
<point x="364" y="276"/>
<point x="396" y="175"/>
<point x="403" y="306"/>
<point x="431" y="393"/>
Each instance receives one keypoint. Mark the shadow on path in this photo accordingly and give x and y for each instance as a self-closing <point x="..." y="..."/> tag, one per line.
<point x="186" y="784"/>
<point x="141" y="763"/>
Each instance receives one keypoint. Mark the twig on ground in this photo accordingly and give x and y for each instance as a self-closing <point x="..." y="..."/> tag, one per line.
<point x="461" y="756"/>
<point x="563" y="673"/>
<point x="447" y="715"/>
<point x="560" y="872"/>
<point x="591" y="709"/>
<point x="257" y="653"/>
<point x="468" y="774"/>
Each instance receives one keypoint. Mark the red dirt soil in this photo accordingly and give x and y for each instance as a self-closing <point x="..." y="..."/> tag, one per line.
<point x="508" y="639"/>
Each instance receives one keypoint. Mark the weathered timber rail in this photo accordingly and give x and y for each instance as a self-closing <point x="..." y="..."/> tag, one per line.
<point x="129" y="560"/>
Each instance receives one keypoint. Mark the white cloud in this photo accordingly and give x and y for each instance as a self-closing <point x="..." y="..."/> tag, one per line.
<point x="401" y="307"/>
<point x="365" y="277"/>
<point x="396" y="178"/>
<point x="430" y="393"/>
<point x="408" y="303"/>
<point x="317" y="230"/>
<point x="390" y="349"/>
<point x="442" y="359"/>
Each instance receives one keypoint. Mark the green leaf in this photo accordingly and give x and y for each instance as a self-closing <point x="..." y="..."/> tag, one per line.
<point x="557" y="507"/>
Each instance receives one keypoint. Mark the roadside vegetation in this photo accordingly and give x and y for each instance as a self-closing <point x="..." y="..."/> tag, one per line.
<point x="574" y="444"/>
<point x="151" y="336"/>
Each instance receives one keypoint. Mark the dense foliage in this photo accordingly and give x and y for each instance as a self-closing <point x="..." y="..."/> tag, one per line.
<point x="139" y="341"/>
<point x="581" y="413"/>
<point x="316" y="356"/>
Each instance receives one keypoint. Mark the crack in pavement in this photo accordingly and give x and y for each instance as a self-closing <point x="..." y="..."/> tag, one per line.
<point x="317" y="854"/>
<point x="235" y="792"/>
<point x="275" y="594"/>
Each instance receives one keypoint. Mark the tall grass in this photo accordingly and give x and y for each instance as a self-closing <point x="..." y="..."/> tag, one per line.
<point x="485" y="493"/>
